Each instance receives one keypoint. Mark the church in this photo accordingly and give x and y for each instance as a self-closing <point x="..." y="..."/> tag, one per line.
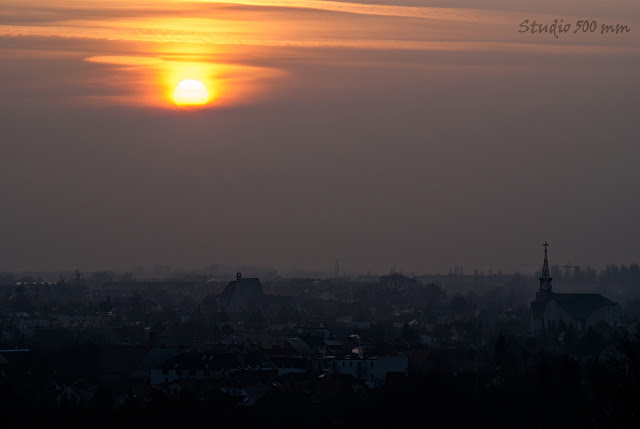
<point x="580" y="310"/>
<point x="244" y="297"/>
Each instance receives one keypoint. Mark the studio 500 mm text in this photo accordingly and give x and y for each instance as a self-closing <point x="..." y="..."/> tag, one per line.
<point x="559" y="27"/>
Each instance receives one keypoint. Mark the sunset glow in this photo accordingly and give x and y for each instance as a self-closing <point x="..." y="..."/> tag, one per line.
<point x="146" y="48"/>
<point x="363" y="128"/>
<point x="191" y="92"/>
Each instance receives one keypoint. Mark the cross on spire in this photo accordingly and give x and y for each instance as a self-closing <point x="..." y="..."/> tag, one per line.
<point x="545" y="280"/>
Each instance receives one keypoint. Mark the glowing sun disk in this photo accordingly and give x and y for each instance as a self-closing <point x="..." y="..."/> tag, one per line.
<point x="190" y="92"/>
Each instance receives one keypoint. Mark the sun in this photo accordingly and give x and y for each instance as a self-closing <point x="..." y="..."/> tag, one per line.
<point x="190" y="92"/>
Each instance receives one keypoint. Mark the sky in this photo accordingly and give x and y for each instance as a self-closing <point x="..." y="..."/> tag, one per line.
<point x="413" y="135"/>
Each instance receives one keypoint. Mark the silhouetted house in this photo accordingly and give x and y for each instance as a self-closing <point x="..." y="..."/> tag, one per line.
<point x="580" y="310"/>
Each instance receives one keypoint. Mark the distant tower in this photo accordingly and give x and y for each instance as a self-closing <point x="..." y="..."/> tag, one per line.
<point x="545" y="280"/>
<point x="337" y="268"/>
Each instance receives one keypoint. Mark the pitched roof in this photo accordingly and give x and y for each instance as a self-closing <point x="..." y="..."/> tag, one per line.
<point x="243" y="287"/>
<point x="580" y="305"/>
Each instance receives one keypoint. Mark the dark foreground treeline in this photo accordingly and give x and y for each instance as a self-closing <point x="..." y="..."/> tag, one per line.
<point x="544" y="389"/>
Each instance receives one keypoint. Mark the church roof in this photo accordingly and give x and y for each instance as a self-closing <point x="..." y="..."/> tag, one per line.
<point x="247" y="287"/>
<point x="579" y="305"/>
<point x="242" y="289"/>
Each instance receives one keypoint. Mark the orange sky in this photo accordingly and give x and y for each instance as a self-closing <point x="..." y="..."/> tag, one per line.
<point x="168" y="41"/>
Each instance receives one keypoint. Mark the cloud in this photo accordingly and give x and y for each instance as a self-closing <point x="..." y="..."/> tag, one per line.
<point x="125" y="60"/>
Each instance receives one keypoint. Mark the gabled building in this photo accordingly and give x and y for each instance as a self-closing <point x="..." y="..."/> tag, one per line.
<point x="242" y="295"/>
<point x="579" y="310"/>
<point x="245" y="297"/>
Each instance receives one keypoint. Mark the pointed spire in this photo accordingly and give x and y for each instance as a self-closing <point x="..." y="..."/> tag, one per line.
<point x="545" y="280"/>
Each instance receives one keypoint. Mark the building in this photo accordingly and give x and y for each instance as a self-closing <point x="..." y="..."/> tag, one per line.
<point x="372" y="370"/>
<point x="579" y="310"/>
<point x="245" y="297"/>
<point x="242" y="295"/>
<point x="212" y="365"/>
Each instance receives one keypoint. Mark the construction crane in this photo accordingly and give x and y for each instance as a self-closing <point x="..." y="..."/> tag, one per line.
<point x="566" y="267"/>
<point x="539" y="265"/>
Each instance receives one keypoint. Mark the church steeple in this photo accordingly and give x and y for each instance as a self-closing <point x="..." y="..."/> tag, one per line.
<point x="545" y="280"/>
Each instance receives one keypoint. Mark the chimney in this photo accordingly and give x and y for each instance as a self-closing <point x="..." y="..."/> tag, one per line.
<point x="238" y="277"/>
